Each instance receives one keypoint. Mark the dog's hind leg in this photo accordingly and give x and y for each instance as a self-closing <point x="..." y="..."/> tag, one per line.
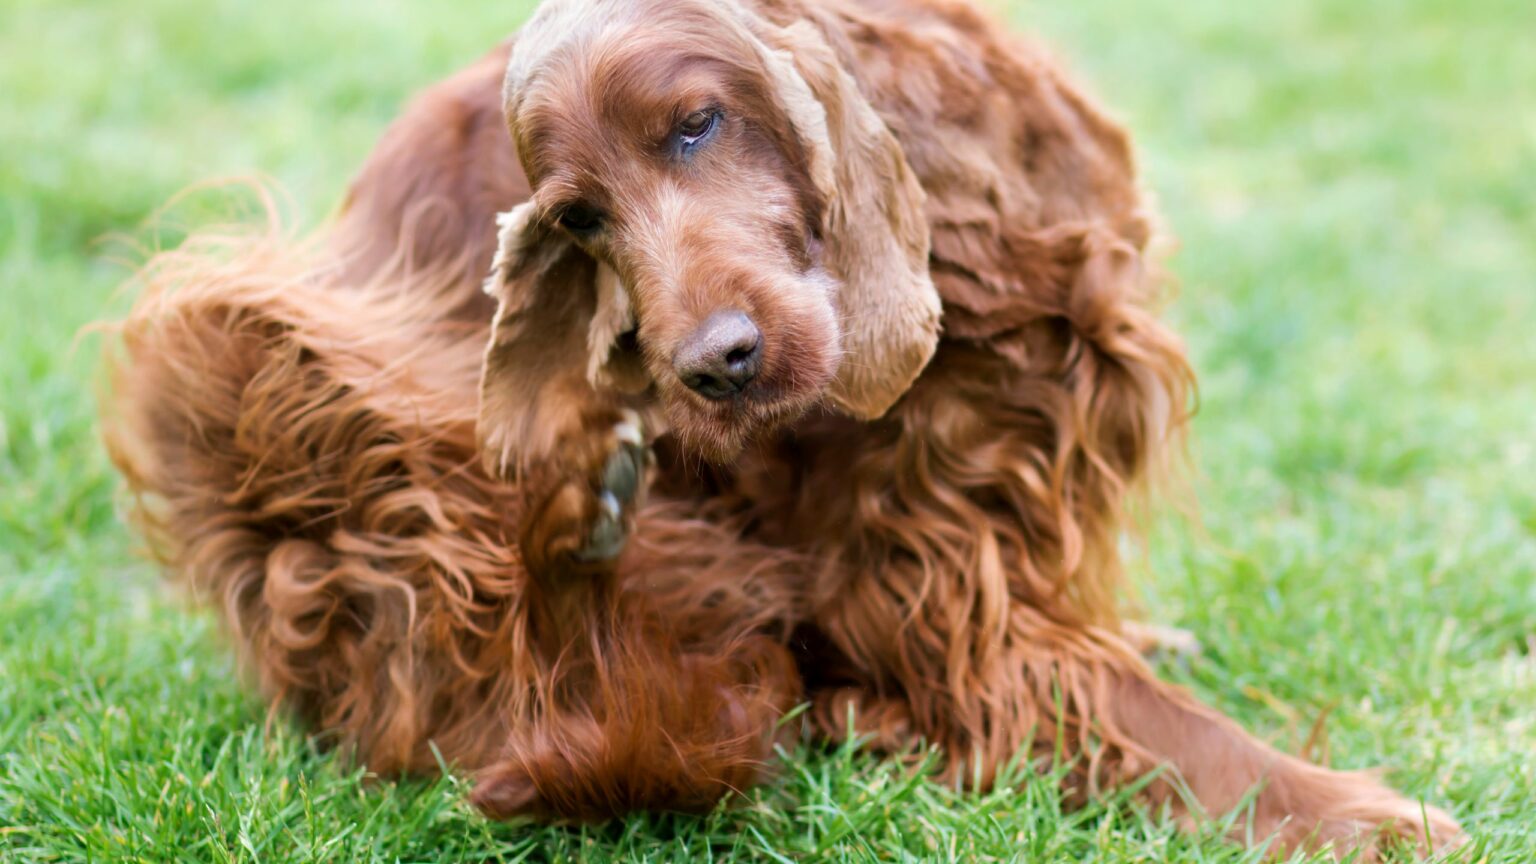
<point x="306" y="463"/>
<point x="665" y="683"/>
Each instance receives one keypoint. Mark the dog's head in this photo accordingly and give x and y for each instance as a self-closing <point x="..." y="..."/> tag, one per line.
<point x="748" y="231"/>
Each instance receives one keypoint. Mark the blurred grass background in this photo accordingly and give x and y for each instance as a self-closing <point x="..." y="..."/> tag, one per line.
<point x="1354" y="185"/>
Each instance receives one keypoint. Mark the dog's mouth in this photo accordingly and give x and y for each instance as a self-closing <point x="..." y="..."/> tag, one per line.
<point x="719" y="430"/>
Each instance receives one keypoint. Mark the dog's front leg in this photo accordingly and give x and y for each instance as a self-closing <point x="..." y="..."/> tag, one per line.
<point x="553" y="421"/>
<point x="581" y="489"/>
<point x="578" y="456"/>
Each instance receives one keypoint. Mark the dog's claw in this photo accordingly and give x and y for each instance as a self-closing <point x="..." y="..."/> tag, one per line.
<point x="606" y="539"/>
<point x="628" y="430"/>
<point x="621" y="480"/>
<point x="621" y="476"/>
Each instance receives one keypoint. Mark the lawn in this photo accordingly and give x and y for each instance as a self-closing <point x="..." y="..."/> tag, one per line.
<point x="1354" y="185"/>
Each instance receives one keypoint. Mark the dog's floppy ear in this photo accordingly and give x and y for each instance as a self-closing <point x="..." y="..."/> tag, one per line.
<point x="558" y="313"/>
<point x="874" y="228"/>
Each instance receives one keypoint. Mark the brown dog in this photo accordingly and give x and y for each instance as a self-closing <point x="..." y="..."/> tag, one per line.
<point x="822" y="362"/>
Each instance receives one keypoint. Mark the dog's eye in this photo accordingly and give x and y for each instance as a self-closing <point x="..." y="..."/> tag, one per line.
<point x="696" y="127"/>
<point x="581" y="218"/>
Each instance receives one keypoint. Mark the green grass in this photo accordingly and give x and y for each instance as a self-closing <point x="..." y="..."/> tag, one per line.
<point x="1354" y="183"/>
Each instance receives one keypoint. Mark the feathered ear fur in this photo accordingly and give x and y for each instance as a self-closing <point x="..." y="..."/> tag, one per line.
<point x="874" y="228"/>
<point x="558" y="316"/>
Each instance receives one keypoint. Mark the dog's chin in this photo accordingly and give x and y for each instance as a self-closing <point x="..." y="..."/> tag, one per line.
<point x="717" y="432"/>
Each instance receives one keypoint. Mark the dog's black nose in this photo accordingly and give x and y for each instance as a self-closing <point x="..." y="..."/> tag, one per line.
<point x="721" y="357"/>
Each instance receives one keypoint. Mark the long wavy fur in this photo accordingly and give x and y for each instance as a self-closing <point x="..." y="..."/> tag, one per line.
<point x="302" y="455"/>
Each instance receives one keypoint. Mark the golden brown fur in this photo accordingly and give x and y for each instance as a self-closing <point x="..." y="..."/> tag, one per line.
<point x="938" y="556"/>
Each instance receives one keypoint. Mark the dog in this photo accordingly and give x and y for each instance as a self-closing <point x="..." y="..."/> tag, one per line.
<point x="818" y="361"/>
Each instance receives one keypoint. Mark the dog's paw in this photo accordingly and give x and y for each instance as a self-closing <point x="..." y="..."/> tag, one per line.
<point x="505" y="791"/>
<point x="1357" y="818"/>
<point x="617" y="491"/>
<point x="1161" y="643"/>
<point x="594" y="486"/>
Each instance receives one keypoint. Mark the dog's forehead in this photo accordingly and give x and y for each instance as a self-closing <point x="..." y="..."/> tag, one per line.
<point x="554" y="27"/>
<point x="619" y="52"/>
<point x="569" y="28"/>
<point x="588" y="80"/>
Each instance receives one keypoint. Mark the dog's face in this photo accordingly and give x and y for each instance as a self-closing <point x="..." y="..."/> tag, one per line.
<point x="757" y="237"/>
<point x="658" y="158"/>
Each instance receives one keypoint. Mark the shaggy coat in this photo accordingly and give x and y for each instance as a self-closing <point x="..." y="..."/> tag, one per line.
<point x="509" y="526"/>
